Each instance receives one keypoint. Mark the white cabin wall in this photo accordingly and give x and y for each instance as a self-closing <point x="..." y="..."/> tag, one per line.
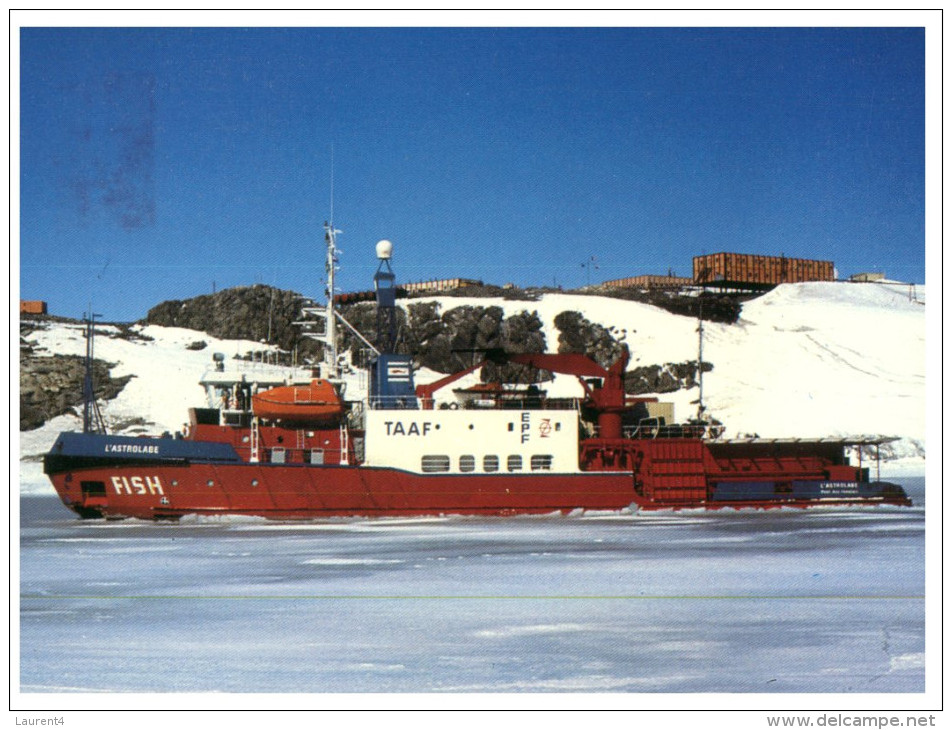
<point x="401" y="439"/>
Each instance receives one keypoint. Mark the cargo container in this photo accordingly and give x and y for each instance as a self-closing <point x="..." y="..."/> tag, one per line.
<point x="754" y="271"/>
<point x="648" y="281"/>
<point x="32" y="307"/>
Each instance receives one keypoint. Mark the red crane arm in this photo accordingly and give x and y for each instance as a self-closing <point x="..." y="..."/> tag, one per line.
<point x="425" y="392"/>
<point x="610" y="398"/>
<point x="572" y="363"/>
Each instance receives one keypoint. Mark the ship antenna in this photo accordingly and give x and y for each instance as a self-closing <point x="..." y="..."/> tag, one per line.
<point x="330" y="236"/>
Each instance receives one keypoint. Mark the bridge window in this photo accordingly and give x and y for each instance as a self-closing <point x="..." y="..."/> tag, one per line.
<point x="541" y="462"/>
<point x="490" y="463"/>
<point x="467" y="463"/>
<point x="432" y="463"/>
<point x="514" y="463"/>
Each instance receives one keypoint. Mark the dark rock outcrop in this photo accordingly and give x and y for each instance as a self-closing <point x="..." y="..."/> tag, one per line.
<point x="53" y="385"/>
<point x="665" y="378"/>
<point x="257" y="312"/>
<point x="709" y="306"/>
<point x="456" y="339"/>
<point x="578" y="335"/>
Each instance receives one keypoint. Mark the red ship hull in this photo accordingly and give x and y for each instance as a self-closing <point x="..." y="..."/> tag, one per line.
<point x="286" y="492"/>
<point x="684" y="473"/>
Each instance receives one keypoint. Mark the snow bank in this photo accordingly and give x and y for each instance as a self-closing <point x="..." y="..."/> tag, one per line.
<point x="819" y="359"/>
<point x="165" y="383"/>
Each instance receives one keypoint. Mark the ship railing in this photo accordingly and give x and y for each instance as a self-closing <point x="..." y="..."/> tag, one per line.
<point x="514" y="404"/>
<point x="530" y="403"/>
<point x="672" y="431"/>
<point x="240" y="417"/>
<point x="392" y="403"/>
<point x="296" y="455"/>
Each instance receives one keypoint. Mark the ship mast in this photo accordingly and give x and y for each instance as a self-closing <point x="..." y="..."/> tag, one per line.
<point x="330" y="339"/>
<point x="92" y="416"/>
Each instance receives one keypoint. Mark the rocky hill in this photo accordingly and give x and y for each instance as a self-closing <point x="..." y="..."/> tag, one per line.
<point x="52" y="384"/>
<point x="442" y="337"/>
<point x="261" y="313"/>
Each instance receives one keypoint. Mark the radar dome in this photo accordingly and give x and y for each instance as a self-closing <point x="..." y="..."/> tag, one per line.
<point x="384" y="249"/>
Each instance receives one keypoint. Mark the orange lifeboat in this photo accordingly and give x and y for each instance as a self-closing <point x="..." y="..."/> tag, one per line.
<point x="314" y="403"/>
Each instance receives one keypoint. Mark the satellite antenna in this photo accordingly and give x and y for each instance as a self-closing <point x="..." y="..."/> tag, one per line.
<point x="386" y="290"/>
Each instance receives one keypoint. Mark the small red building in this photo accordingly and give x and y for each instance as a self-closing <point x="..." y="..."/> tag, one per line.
<point x="32" y="307"/>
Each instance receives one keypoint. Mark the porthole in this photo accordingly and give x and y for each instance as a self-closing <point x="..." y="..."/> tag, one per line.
<point x="254" y="482"/>
<point x="210" y="482"/>
<point x="541" y="462"/>
<point x="245" y="439"/>
<point x="431" y="463"/>
<point x="175" y="482"/>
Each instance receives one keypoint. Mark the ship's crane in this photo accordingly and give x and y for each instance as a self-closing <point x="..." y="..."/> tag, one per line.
<point x="426" y="392"/>
<point x="609" y="400"/>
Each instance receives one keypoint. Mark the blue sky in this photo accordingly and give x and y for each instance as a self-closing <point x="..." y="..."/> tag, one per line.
<point x="159" y="163"/>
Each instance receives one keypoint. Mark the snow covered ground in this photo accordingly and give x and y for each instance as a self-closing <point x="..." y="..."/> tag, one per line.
<point x="809" y="360"/>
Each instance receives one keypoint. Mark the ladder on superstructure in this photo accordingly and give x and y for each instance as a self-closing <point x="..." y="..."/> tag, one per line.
<point x="255" y="441"/>
<point x="344" y="445"/>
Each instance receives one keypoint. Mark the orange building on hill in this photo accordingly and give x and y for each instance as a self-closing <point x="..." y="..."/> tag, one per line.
<point x="32" y="307"/>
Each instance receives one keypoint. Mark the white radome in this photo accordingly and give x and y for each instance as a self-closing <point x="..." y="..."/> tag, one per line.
<point x="384" y="249"/>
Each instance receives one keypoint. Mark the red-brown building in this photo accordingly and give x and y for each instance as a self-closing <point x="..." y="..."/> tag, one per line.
<point x="32" y="307"/>
<point x="741" y="269"/>
<point x="648" y="281"/>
